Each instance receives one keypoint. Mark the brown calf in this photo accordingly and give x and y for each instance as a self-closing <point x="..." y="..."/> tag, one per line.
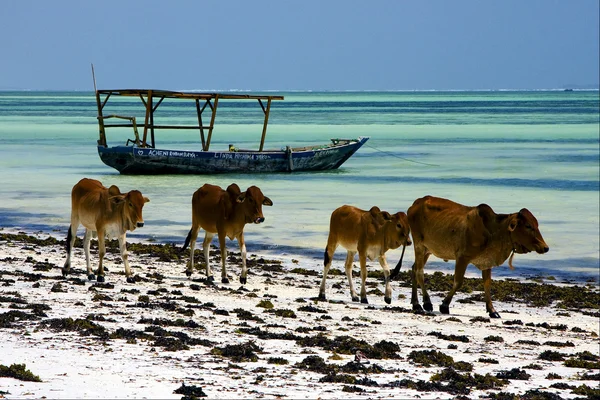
<point x="105" y="212"/>
<point x="370" y="233"/>
<point x="469" y="235"/>
<point x="224" y="212"/>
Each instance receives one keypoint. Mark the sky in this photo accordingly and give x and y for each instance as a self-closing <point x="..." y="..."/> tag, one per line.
<point x="299" y="45"/>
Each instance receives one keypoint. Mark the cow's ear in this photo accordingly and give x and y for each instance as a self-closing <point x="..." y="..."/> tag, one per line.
<point x="146" y="200"/>
<point x="114" y="190"/>
<point x="241" y="198"/>
<point x="117" y="199"/>
<point x="267" y="202"/>
<point x="386" y="216"/>
<point x="513" y="220"/>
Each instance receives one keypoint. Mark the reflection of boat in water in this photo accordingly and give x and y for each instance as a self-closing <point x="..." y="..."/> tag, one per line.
<point x="140" y="155"/>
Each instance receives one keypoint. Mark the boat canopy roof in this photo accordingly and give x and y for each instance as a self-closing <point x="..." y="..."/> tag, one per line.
<point x="170" y="94"/>
<point x="152" y="98"/>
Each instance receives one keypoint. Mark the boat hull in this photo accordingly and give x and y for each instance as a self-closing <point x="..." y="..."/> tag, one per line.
<point x="145" y="161"/>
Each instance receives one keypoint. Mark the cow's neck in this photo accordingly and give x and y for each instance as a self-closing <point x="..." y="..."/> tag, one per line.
<point x="500" y="244"/>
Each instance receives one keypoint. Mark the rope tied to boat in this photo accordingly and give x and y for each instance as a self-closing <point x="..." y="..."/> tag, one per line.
<point x="402" y="158"/>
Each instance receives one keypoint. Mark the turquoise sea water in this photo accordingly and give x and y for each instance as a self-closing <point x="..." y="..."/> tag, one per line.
<point x="538" y="150"/>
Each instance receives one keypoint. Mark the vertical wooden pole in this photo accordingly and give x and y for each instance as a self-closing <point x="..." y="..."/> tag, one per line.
<point x="101" y="133"/>
<point x="200" y="123"/>
<point x="212" y="122"/>
<point x="264" y="131"/>
<point x="147" y="120"/>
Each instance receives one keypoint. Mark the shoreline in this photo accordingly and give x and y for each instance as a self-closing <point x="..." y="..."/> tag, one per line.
<point x="271" y="338"/>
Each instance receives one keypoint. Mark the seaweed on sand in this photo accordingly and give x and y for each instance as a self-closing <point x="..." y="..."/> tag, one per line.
<point x="243" y="352"/>
<point x="18" y="371"/>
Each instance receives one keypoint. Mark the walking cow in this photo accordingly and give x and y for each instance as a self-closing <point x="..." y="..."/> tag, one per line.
<point x="469" y="235"/>
<point x="225" y="213"/>
<point x="105" y="212"/>
<point x="370" y="233"/>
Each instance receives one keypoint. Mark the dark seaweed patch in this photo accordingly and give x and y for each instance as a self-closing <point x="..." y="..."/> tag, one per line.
<point x="247" y="315"/>
<point x="528" y="342"/>
<point x="430" y="357"/>
<point x="180" y="322"/>
<point x="190" y="392"/>
<point x="243" y="352"/>
<point x="283" y="312"/>
<point x="9" y="317"/>
<point x="551" y="355"/>
<point x="488" y="360"/>
<point x="494" y="338"/>
<point x="559" y="344"/>
<point x="18" y="371"/>
<point x="277" y="361"/>
<point x="463" y="383"/>
<point x="266" y="304"/>
<point x="312" y="309"/>
<point x="451" y="337"/>
<point x="515" y="373"/>
<point x="83" y="326"/>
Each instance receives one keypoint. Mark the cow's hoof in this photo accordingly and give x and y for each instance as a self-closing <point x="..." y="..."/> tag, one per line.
<point x="388" y="300"/>
<point x="355" y="298"/>
<point x="91" y="277"/>
<point x="494" y="315"/>
<point x="417" y="308"/>
<point x="188" y="273"/>
<point x="444" y="309"/>
<point x="364" y="301"/>
<point x="130" y="279"/>
<point x="100" y="278"/>
<point x="243" y="280"/>
<point x="321" y="297"/>
<point x="428" y="307"/>
<point x="64" y="273"/>
<point x="224" y="280"/>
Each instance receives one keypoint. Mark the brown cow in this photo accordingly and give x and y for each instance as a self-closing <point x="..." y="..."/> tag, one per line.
<point x="224" y="212"/>
<point x="105" y="212"/>
<point x="469" y="235"/>
<point x="370" y="233"/>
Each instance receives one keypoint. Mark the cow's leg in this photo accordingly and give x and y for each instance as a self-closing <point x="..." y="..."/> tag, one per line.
<point x="101" y="253"/>
<point x="125" y="257"/>
<point x="242" y="243"/>
<point x="71" y="236"/>
<point x="386" y="277"/>
<point x="362" y="256"/>
<point x="418" y="280"/>
<point x="206" y="247"/>
<point x="327" y="260"/>
<point x="487" y="284"/>
<point x="191" y="240"/>
<point x="87" y="239"/>
<point x="459" y="277"/>
<point x="222" y="238"/>
<point x="348" y="268"/>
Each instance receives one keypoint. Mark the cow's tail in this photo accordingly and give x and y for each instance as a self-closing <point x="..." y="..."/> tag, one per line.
<point x="69" y="237"/>
<point x="187" y="240"/>
<point x="396" y="270"/>
<point x="326" y="258"/>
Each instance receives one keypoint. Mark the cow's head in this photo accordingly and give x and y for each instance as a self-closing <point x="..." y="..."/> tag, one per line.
<point x="397" y="230"/>
<point x="525" y="234"/>
<point x="253" y="199"/>
<point x="132" y="204"/>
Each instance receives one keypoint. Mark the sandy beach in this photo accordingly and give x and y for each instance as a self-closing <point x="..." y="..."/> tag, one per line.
<point x="170" y="337"/>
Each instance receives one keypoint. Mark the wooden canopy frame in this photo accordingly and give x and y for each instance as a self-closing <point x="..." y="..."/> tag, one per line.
<point x="151" y="99"/>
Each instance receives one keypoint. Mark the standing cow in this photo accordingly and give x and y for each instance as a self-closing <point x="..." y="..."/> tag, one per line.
<point x="469" y="235"/>
<point x="105" y="212"/>
<point x="370" y="233"/>
<point x="225" y="213"/>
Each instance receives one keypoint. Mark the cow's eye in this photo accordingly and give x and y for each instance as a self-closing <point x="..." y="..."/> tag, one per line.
<point x="528" y="226"/>
<point x="399" y="226"/>
<point x="130" y="204"/>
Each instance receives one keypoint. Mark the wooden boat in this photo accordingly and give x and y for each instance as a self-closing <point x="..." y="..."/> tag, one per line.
<point x="142" y="155"/>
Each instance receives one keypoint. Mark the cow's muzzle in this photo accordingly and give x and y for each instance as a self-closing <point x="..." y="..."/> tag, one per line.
<point x="139" y="224"/>
<point x="542" y="250"/>
<point x="259" y="220"/>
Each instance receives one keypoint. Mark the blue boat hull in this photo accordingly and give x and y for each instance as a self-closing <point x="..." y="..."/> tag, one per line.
<point x="144" y="161"/>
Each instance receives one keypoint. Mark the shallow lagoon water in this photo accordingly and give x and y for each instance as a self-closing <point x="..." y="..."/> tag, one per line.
<point x="538" y="150"/>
